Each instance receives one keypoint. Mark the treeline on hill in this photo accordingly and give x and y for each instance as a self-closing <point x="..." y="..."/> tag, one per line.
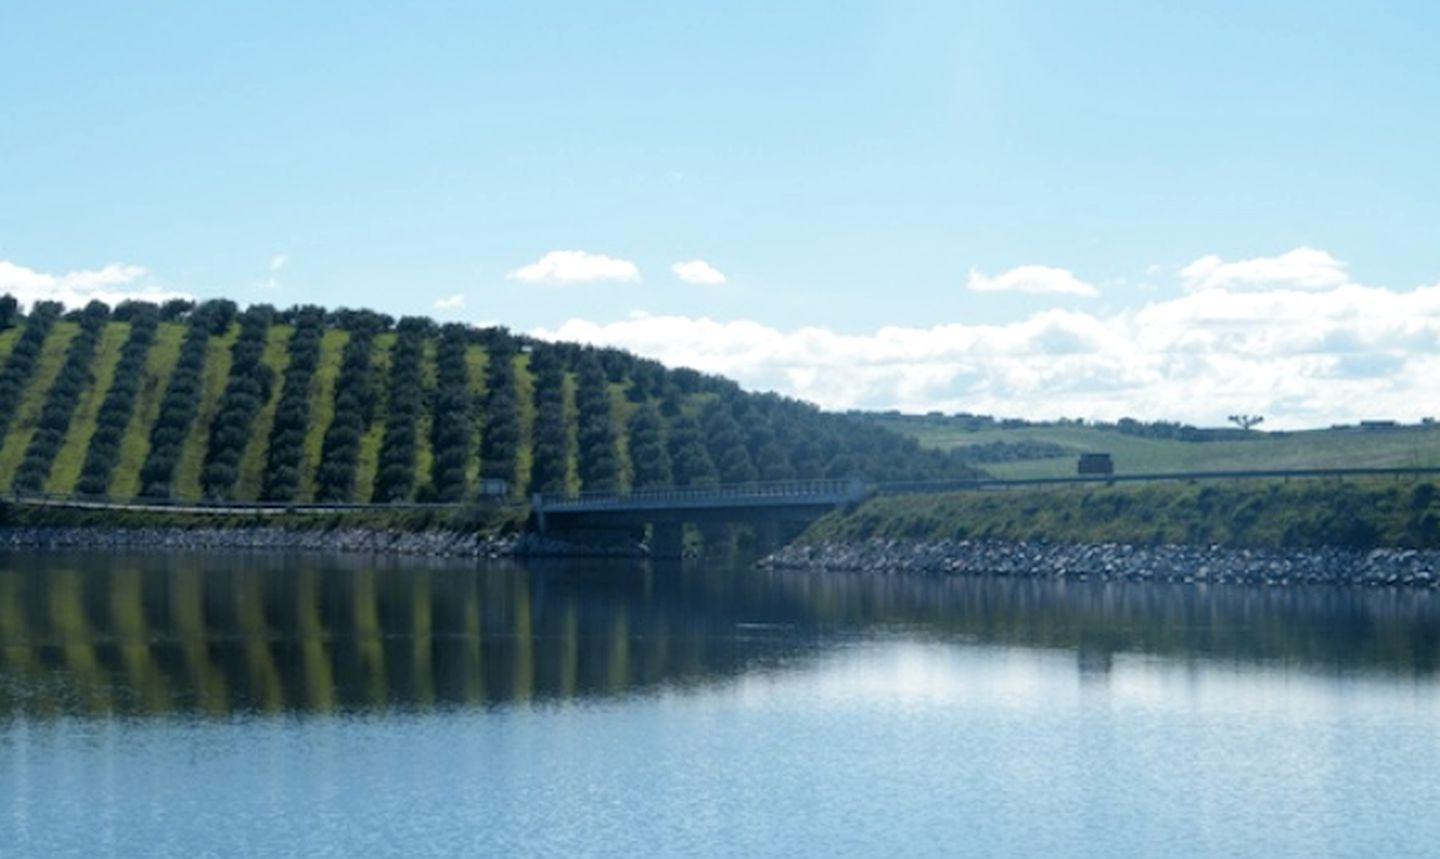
<point x="447" y="413"/>
<point x="967" y="422"/>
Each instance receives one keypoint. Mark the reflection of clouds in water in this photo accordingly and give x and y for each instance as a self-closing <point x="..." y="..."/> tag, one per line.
<point x="922" y="674"/>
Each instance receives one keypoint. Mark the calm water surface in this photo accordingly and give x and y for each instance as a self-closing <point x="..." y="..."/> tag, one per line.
<point x="174" y="705"/>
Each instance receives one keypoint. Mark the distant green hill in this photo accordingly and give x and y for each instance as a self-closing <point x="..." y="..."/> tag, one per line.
<point x="1050" y="450"/>
<point x="209" y="401"/>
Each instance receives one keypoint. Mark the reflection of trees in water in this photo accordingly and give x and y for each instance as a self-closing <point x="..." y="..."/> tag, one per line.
<point x="214" y="635"/>
<point x="206" y="635"/>
<point x="1320" y="628"/>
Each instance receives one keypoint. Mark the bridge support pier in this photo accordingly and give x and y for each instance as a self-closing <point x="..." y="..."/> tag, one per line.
<point x="667" y="540"/>
<point x="768" y="536"/>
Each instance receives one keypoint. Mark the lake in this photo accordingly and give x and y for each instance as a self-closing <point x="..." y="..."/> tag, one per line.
<point x="265" y="704"/>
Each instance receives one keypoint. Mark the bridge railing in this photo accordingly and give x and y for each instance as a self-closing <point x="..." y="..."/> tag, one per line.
<point x="779" y="489"/>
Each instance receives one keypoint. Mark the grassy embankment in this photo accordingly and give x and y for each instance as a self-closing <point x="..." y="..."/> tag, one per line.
<point x="1416" y="446"/>
<point x="483" y="520"/>
<point x="47" y="367"/>
<point x="1256" y="514"/>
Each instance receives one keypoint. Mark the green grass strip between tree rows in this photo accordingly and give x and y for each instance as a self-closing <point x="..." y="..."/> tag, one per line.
<point x="71" y="459"/>
<point x="252" y="460"/>
<point x="47" y="368"/>
<point x="135" y="444"/>
<point x="213" y="379"/>
<point x="322" y="407"/>
<point x="369" y="461"/>
<point x="476" y="360"/>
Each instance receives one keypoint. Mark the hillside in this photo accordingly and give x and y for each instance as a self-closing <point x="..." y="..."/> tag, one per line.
<point x="1256" y="514"/>
<point x="213" y="402"/>
<point x="1050" y="450"/>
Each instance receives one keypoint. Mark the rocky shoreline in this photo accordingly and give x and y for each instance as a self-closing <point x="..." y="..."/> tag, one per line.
<point x="1112" y="562"/>
<point x="447" y="544"/>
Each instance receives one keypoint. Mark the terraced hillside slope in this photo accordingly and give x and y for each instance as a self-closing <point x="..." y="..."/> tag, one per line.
<point x="207" y="401"/>
<point x="1019" y="449"/>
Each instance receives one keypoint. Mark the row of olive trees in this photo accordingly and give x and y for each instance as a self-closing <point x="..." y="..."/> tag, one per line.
<point x="103" y="454"/>
<point x="500" y="438"/>
<point x="395" y="477"/>
<point x="21" y="362"/>
<point x="354" y="409"/>
<point x="61" y="400"/>
<point x="452" y="433"/>
<point x="286" y="450"/>
<point x="550" y="453"/>
<point x="246" y="392"/>
<point x="182" y="397"/>
<point x="599" y="455"/>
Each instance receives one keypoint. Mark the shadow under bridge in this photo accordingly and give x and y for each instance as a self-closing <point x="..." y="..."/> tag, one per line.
<point x="777" y="511"/>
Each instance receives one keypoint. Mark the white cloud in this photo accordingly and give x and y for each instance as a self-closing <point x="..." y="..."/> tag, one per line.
<point x="271" y="281"/>
<point x="450" y="302"/>
<point x="111" y="284"/>
<point x="576" y="267"/>
<point x="1302" y="358"/>
<point x="698" y="271"/>
<point x="1303" y="267"/>
<point x="1031" y="279"/>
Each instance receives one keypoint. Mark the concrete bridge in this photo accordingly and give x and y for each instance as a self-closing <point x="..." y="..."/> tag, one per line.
<point x="775" y="509"/>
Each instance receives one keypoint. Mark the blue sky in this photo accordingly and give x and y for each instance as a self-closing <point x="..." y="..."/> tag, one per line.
<point x="846" y="167"/>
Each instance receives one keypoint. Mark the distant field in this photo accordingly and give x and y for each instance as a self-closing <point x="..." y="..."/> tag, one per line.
<point x="1329" y="448"/>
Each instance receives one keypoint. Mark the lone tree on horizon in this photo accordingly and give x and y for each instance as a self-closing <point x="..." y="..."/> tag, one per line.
<point x="1246" y="422"/>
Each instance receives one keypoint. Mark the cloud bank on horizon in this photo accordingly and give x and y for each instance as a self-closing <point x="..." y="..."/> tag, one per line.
<point x="112" y="284"/>
<point x="1292" y="337"/>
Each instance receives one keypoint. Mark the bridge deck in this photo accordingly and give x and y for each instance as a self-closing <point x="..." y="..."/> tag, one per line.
<point x="805" y="493"/>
